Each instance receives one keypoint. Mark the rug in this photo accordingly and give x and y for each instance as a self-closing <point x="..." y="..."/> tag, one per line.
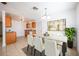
<point x="26" y="52"/>
<point x="37" y="53"/>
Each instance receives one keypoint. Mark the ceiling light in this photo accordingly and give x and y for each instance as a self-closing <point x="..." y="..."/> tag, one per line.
<point x="21" y="18"/>
<point x="45" y="15"/>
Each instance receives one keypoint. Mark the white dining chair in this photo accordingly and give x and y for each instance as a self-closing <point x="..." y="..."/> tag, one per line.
<point x="51" y="48"/>
<point x="30" y="42"/>
<point x="38" y="44"/>
<point x="30" y="39"/>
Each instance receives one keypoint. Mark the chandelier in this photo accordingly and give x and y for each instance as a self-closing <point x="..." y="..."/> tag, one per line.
<point x="45" y="16"/>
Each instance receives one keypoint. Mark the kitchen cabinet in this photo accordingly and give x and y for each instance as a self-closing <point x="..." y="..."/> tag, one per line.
<point x="8" y="21"/>
<point x="10" y="37"/>
<point x="30" y="26"/>
<point x="26" y="33"/>
<point x="33" y="24"/>
<point x="34" y="33"/>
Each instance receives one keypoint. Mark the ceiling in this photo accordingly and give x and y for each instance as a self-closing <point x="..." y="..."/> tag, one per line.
<point x="25" y="8"/>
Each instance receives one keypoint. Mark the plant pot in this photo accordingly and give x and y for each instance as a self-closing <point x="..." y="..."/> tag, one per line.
<point x="70" y="44"/>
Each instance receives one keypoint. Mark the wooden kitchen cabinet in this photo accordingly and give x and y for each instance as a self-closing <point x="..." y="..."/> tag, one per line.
<point x="34" y="33"/>
<point x="10" y="37"/>
<point x="33" y="24"/>
<point x="30" y="26"/>
<point x="8" y="21"/>
<point x="26" y="33"/>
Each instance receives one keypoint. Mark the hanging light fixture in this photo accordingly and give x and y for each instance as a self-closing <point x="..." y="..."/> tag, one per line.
<point x="45" y="15"/>
<point x="21" y="18"/>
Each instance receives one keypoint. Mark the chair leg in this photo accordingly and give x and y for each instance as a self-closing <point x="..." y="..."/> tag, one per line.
<point x="27" y="47"/>
<point x="63" y="53"/>
<point x="40" y="53"/>
<point x="31" y="50"/>
<point x="34" y="52"/>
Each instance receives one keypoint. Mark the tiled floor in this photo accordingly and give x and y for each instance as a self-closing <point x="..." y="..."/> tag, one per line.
<point x="71" y="52"/>
<point x="16" y="49"/>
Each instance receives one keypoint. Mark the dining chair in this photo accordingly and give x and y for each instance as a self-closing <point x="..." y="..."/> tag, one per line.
<point x="30" y="43"/>
<point x="51" y="48"/>
<point x="38" y="45"/>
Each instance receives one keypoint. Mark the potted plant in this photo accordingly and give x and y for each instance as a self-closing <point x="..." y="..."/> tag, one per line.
<point x="70" y="33"/>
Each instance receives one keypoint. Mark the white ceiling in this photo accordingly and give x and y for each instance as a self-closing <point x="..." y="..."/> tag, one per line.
<point x="25" y="8"/>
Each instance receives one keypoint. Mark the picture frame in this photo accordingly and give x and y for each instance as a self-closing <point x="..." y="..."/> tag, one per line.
<point x="56" y="25"/>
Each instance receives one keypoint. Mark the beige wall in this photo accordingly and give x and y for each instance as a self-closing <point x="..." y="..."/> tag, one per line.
<point x="0" y="27"/>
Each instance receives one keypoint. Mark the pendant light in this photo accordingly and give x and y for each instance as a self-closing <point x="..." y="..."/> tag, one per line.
<point x="45" y="15"/>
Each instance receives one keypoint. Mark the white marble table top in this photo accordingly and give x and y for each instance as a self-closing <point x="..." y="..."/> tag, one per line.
<point x="58" y="38"/>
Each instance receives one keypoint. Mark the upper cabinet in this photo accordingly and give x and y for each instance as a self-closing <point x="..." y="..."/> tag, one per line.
<point x="8" y="21"/>
<point x="30" y="26"/>
<point x="33" y="24"/>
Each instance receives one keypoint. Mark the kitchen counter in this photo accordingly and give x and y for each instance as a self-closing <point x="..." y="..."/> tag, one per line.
<point x="10" y="37"/>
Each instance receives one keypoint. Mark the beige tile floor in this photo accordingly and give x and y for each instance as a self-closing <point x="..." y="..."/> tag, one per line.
<point x="71" y="52"/>
<point x="16" y="49"/>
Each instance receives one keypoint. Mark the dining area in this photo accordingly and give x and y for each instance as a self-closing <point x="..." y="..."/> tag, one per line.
<point x="47" y="45"/>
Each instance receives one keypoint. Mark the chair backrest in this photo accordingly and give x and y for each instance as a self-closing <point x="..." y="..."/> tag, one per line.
<point x="38" y="43"/>
<point x="50" y="47"/>
<point x="30" y="39"/>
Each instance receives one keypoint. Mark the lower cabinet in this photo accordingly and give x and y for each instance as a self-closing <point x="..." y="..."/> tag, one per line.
<point x="10" y="37"/>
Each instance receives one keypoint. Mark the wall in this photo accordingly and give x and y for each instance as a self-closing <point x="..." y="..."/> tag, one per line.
<point x="77" y="26"/>
<point x="0" y="18"/>
<point x="18" y="27"/>
<point x="0" y="27"/>
<point x="3" y="29"/>
<point x="0" y="22"/>
<point x="69" y="15"/>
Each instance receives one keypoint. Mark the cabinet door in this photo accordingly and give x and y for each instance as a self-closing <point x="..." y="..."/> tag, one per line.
<point x="33" y="24"/>
<point x="26" y="33"/>
<point x="13" y="37"/>
<point x="8" y="38"/>
<point x="27" y="25"/>
<point x="8" y="21"/>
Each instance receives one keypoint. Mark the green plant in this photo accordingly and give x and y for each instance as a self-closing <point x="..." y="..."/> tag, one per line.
<point x="70" y="33"/>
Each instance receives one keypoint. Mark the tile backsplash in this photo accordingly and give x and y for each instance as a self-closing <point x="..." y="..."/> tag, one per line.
<point x="9" y="30"/>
